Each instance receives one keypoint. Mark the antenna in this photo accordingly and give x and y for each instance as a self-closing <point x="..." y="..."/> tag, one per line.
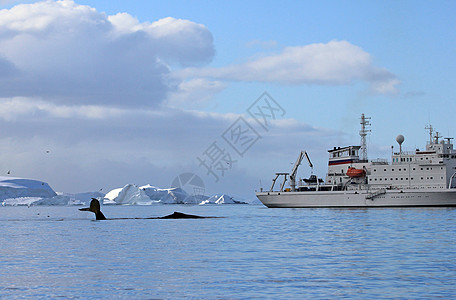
<point x="363" y="132"/>
<point x="437" y="136"/>
<point x="431" y="131"/>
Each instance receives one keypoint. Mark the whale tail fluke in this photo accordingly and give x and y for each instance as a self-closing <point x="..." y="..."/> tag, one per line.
<point x="95" y="208"/>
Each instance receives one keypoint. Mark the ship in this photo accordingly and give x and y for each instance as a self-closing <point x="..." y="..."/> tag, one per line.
<point x="410" y="179"/>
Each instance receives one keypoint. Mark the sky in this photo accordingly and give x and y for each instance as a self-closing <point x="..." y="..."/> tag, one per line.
<point x="98" y="94"/>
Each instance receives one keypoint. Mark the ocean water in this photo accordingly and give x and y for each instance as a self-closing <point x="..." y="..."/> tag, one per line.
<point x="249" y="252"/>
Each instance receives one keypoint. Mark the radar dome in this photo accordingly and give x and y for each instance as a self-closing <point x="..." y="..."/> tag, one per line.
<point x="400" y="139"/>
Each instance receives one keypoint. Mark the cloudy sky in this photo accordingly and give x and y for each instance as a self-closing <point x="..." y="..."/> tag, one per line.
<point x="97" y="94"/>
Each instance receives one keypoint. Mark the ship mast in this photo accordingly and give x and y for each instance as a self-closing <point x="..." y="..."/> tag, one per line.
<point x="365" y="123"/>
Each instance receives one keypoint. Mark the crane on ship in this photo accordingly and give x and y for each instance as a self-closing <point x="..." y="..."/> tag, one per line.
<point x="293" y="173"/>
<point x="295" y="169"/>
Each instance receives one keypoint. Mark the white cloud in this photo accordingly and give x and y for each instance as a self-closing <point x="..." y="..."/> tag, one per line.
<point x="21" y="107"/>
<point x="195" y="93"/>
<point x="333" y="63"/>
<point x="71" y="53"/>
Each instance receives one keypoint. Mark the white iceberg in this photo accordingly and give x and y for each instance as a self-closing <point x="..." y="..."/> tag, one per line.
<point x="169" y="196"/>
<point x="129" y="194"/>
<point x="221" y="199"/>
<point x="148" y="194"/>
<point x="14" y="187"/>
<point x="21" y="191"/>
<point x="28" y="201"/>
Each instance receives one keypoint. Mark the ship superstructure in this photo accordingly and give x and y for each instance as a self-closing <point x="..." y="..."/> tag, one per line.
<point x="418" y="178"/>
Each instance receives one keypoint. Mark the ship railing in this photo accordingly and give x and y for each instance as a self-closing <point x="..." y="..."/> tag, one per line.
<point x="375" y="194"/>
<point x="405" y="153"/>
<point x="379" y="161"/>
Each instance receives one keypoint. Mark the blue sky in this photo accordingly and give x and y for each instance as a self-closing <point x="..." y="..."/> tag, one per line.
<point x="124" y="101"/>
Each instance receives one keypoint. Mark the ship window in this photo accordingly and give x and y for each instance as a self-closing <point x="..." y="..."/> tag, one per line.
<point x="392" y="170"/>
<point x="375" y="170"/>
<point x="421" y="178"/>
<point x="384" y="170"/>
<point x="399" y="170"/>
<point x="421" y="169"/>
<point x="405" y="169"/>
<point x="421" y="158"/>
<point x="413" y="169"/>
<point x="411" y="178"/>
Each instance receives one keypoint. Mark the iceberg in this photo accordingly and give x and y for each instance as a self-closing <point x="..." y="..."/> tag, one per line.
<point x="170" y="196"/>
<point x="146" y="195"/>
<point x="129" y="194"/>
<point x="21" y="191"/>
<point x="14" y="187"/>
<point x="221" y="199"/>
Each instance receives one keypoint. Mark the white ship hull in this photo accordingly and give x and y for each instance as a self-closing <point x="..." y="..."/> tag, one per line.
<point x="359" y="198"/>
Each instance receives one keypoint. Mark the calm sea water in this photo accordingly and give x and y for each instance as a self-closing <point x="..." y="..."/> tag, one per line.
<point x="252" y="252"/>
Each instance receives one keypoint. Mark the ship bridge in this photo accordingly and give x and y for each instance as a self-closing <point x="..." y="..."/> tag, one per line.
<point x="344" y="155"/>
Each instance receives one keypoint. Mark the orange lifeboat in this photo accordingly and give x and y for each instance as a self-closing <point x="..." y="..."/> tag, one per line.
<point x="353" y="172"/>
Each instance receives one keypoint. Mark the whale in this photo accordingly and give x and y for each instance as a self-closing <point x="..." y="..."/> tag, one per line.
<point x="95" y="208"/>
